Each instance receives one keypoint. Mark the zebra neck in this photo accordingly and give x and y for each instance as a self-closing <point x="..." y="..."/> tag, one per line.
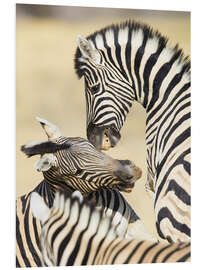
<point x="57" y="184"/>
<point x="47" y="189"/>
<point x="159" y="72"/>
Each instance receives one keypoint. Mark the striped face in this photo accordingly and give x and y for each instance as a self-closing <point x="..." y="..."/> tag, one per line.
<point x="106" y="108"/>
<point x="74" y="163"/>
<point x="109" y="94"/>
<point x="83" y="167"/>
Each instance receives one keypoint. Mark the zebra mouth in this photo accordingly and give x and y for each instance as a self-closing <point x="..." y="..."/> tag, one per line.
<point x="103" y="137"/>
<point x="125" y="187"/>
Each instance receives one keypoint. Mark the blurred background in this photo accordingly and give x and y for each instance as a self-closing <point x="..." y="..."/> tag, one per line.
<point x="47" y="86"/>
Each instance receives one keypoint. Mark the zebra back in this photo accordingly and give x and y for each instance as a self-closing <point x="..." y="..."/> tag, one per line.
<point x="74" y="232"/>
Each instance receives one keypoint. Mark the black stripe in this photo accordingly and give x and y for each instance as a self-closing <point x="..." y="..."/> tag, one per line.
<point x="179" y="160"/>
<point x="185" y="257"/>
<point x="118" y="56"/>
<point x="72" y="257"/>
<point x="165" y="119"/>
<point x="36" y="232"/>
<point x="179" y="192"/>
<point x="128" y="61"/>
<point x="165" y="213"/>
<point x="119" y="251"/>
<point x="132" y="252"/>
<point x="148" y="68"/>
<point x="178" y="140"/>
<point x="88" y="249"/>
<point x="175" y="99"/>
<point x="159" y="252"/>
<point x="116" y="201"/>
<point x="137" y="61"/>
<point x="28" y="238"/>
<point x="172" y="252"/>
<point x="161" y="74"/>
<point x="17" y="263"/>
<point x="178" y="124"/>
<point x="146" y="251"/>
<point x="20" y="244"/>
<point x="58" y="230"/>
<point x="64" y="243"/>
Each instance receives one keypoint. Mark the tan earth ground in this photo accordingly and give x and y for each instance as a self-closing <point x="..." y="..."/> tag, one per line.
<point x="47" y="86"/>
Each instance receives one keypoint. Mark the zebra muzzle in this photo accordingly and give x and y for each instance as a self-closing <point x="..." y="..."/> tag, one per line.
<point x="128" y="173"/>
<point x="103" y="137"/>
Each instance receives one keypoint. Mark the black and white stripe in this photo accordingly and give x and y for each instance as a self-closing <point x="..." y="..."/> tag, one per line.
<point x="130" y="62"/>
<point x="70" y="164"/>
<point x="74" y="232"/>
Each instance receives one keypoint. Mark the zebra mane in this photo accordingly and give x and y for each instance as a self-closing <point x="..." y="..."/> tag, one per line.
<point x="62" y="196"/>
<point x="135" y="28"/>
<point x="75" y="204"/>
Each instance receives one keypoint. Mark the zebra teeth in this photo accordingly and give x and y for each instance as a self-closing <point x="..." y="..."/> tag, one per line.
<point x="106" y="144"/>
<point x="126" y="187"/>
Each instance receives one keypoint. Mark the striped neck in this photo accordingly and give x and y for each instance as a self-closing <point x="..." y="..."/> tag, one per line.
<point x="143" y="60"/>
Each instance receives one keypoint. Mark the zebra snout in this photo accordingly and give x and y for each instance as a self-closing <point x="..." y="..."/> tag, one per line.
<point x="127" y="173"/>
<point x="103" y="137"/>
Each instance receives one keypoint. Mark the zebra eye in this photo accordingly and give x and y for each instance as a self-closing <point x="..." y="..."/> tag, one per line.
<point x="94" y="89"/>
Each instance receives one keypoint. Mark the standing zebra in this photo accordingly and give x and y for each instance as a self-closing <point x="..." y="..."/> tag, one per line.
<point x="76" y="233"/>
<point x="127" y="62"/>
<point x="73" y="164"/>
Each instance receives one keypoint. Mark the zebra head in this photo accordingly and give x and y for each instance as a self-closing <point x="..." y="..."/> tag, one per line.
<point x="108" y="89"/>
<point x="77" y="163"/>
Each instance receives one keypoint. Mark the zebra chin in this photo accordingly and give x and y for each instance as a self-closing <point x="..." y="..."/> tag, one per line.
<point x="103" y="137"/>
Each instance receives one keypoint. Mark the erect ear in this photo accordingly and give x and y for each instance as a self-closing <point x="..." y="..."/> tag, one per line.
<point x="38" y="207"/>
<point x="88" y="51"/>
<point x="51" y="130"/>
<point x="45" y="163"/>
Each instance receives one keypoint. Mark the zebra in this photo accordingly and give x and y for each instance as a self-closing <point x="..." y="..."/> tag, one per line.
<point x="74" y="232"/>
<point x="128" y="62"/>
<point x="73" y="164"/>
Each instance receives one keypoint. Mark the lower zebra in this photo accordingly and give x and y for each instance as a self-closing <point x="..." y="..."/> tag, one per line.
<point x="76" y="233"/>
<point x="70" y="164"/>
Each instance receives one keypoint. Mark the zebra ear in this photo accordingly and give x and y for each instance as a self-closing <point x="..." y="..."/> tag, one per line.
<point x="45" y="162"/>
<point x="88" y="51"/>
<point x="51" y="130"/>
<point x="38" y="207"/>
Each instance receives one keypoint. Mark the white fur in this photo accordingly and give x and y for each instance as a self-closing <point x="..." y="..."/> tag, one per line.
<point x="38" y="207"/>
<point x="110" y="37"/>
<point x="51" y="130"/>
<point x="137" y="38"/>
<point x="138" y="231"/>
<point x="123" y="36"/>
<point x="99" y="41"/>
<point x="77" y="194"/>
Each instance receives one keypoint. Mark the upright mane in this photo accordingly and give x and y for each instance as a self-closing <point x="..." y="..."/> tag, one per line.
<point x="117" y="34"/>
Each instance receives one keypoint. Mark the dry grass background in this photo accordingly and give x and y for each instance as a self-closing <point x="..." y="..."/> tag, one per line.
<point x="47" y="86"/>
